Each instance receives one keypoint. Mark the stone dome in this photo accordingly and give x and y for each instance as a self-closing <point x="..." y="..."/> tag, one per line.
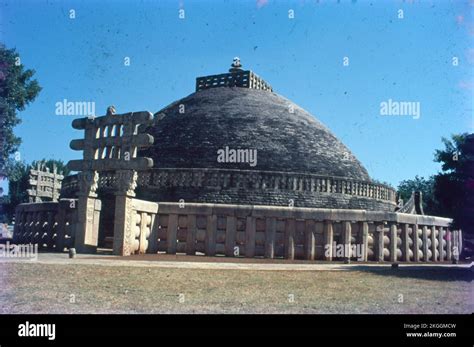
<point x="285" y="156"/>
<point x="286" y="138"/>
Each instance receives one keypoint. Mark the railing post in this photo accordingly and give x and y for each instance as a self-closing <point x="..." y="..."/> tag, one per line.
<point x="364" y="230"/>
<point x="172" y="232"/>
<point x="309" y="244"/>
<point x="270" y="230"/>
<point x="231" y="225"/>
<point x="191" y="235"/>
<point x="440" y="244"/>
<point x="290" y="239"/>
<point x="347" y="230"/>
<point x="87" y="228"/>
<point x="123" y="224"/>
<point x="379" y="230"/>
<point x="211" y="230"/>
<point x="393" y="242"/>
<point x="449" y="251"/>
<point x="433" y="244"/>
<point x="406" y="242"/>
<point x="328" y="239"/>
<point x="416" y="244"/>
<point x="425" y="242"/>
<point x="250" y="237"/>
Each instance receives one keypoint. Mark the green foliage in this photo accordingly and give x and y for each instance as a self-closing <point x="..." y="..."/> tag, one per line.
<point x="18" y="175"/>
<point x="425" y="186"/>
<point x="451" y="192"/>
<point x="454" y="187"/>
<point x="17" y="90"/>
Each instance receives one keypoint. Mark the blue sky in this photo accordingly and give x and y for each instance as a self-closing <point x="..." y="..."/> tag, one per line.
<point x="407" y="59"/>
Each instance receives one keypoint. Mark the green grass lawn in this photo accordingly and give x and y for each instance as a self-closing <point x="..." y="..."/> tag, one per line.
<point x="69" y="288"/>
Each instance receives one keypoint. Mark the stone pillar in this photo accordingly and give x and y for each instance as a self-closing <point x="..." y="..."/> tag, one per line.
<point x="310" y="241"/>
<point x="379" y="231"/>
<point x="145" y="232"/>
<point x="61" y="227"/>
<point x="87" y="228"/>
<point x="231" y="225"/>
<point x="459" y="238"/>
<point x="250" y="237"/>
<point x="172" y="234"/>
<point x="126" y="182"/>
<point x="211" y="233"/>
<point x="347" y="235"/>
<point x="153" y="238"/>
<point x="416" y="246"/>
<point x="63" y="206"/>
<point x="50" y="218"/>
<point x="433" y="243"/>
<point x="424" y="236"/>
<point x="406" y="242"/>
<point x="440" y="244"/>
<point x="328" y="239"/>
<point x="393" y="242"/>
<point x="270" y="230"/>
<point x="449" y="253"/>
<point x="290" y="239"/>
<point x="456" y="244"/>
<point x="364" y="235"/>
<point x="191" y="235"/>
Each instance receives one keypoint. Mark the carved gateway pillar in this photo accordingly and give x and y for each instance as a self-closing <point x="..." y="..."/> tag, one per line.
<point x="88" y="213"/>
<point x="125" y="192"/>
<point x="110" y="144"/>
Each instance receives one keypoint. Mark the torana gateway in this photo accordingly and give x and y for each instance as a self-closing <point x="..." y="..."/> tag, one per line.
<point x="233" y="169"/>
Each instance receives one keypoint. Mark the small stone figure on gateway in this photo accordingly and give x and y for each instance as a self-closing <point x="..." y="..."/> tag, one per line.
<point x="110" y="110"/>
<point x="236" y="77"/>
<point x="236" y="65"/>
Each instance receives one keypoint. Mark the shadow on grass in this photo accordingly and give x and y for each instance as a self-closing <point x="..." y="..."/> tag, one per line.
<point x="433" y="273"/>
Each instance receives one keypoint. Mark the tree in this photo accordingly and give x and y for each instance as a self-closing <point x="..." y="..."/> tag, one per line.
<point x="454" y="187"/>
<point x="450" y="193"/>
<point x="426" y="187"/>
<point x="17" y="90"/>
<point x="18" y="175"/>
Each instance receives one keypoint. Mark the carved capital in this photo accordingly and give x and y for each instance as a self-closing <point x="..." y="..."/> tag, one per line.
<point x="88" y="183"/>
<point x="126" y="182"/>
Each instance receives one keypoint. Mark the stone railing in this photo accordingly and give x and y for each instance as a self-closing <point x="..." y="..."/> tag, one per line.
<point x="139" y="221"/>
<point x="251" y="231"/>
<point x="261" y="181"/>
<point x="242" y="78"/>
<point x="48" y="224"/>
<point x="70" y="186"/>
<point x="295" y="233"/>
<point x="249" y="179"/>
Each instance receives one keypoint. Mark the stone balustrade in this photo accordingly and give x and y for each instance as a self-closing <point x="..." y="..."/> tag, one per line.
<point x="242" y="79"/>
<point x="261" y="188"/>
<point x="48" y="224"/>
<point x="253" y="231"/>
<point x="143" y="215"/>
<point x="298" y="233"/>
